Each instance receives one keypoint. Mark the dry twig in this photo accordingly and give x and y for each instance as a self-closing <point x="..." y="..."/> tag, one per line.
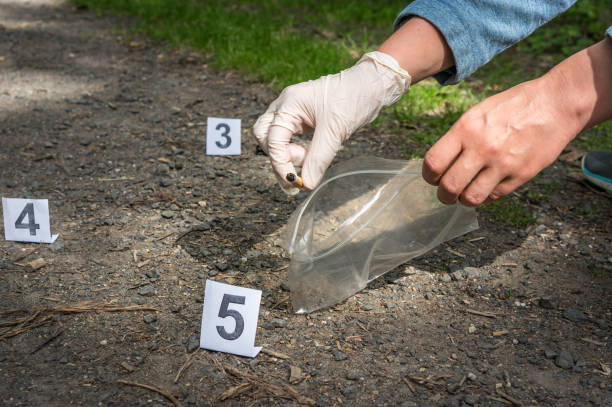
<point x="263" y="387"/>
<point x="40" y="316"/>
<point x="187" y="363"/>
<point x="159" y="390"/>
<point x="481" y="313"/>
<point x="274" y="353"/>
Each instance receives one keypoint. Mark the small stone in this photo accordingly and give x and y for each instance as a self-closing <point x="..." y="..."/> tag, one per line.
<point x="564" y="360"/>
<point x="472" y="273"/>
<point x="445" y="278"/>
<point x="574" y="315"/>
<point x="339" y="355"/>
<point x="103" y="342"/>
<point x="428" y="296"/>
<point x="147" y="291"/>
<point x="547" y="302"/>
<point x="453" y="387"/>
<point x="457" y="275"/>
<point x="221" y="266"/>
<point x="167" y="214"/>
<point x="84" y="142"/>
<point x="471" y="399"/>
<point x="471" y="376"/>
<point x="151" y="274"/>
<point x="166" y="182"/>
<point x="57" y="245"/>
<point x="579" y="364"/>
<point x="350" y="391"/>
<point x="471" y="328"/>
<point x="285" y="286"/>
<point x="150" y="318"/>
<point x="352" y="374"/>
<point x="162" y="170"/>
<point x="63" y="360"/>
<point x="540" y="230"/>
<point x="277" y="323"/>
<point x="295" y="375"/>
<point x="193" y="343"/>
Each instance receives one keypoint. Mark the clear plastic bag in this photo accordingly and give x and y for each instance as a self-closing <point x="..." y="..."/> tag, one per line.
<point x="368" y="216"/>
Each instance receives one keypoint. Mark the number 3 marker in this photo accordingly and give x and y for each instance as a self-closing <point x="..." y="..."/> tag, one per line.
<point x="229" y="319"/>
<point x="27" y="220"/>
<point x="222" y="136"/>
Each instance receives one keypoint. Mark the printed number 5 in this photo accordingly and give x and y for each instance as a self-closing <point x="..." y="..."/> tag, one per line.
<point x="224" y="134"/>
<point x="224" y="312"/>
<point x="32" y="225"/>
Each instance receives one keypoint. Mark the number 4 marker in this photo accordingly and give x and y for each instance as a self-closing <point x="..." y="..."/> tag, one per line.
<point x="27" y="220"/>
<point x="229" y="319"/>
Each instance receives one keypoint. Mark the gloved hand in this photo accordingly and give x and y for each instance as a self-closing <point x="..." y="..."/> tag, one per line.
<point x="335" y="106"/>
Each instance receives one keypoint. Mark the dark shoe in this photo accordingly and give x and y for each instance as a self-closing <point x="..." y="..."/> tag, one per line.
<point x="597" y="168"/>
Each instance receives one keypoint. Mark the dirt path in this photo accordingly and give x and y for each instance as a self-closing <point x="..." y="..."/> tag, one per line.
<point x="111" y="131"/>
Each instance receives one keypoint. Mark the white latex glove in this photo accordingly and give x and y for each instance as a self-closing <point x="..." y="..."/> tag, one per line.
<point x="335" y="106"/>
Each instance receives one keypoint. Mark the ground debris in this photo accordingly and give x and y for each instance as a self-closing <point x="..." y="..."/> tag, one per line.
<point x="258" y="388"/>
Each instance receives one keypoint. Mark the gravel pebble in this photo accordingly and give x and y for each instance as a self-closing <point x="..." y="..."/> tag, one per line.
<point x="574" y="314"/>
<point x="193" y="343"/>
<point x="339" y="355"/>
<point x="150" y="318"/>
<point x="147" y="291"/>
<point x="564" y="360"/>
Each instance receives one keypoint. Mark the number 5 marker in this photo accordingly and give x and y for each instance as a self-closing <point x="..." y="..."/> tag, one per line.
<point x="27" y="220"/>
<point x="229" y="319"/>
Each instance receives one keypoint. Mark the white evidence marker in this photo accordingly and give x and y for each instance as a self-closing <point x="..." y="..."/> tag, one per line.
<point x="27" y="220"/>
<point x="229" y="319"/>
<point x="222" y="136"/>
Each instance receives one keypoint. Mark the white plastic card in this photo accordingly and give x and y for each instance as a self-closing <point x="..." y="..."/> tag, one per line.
<point x="222" y="136"/>
<point x="27" y="220"/>
<point x="229" y="319"/>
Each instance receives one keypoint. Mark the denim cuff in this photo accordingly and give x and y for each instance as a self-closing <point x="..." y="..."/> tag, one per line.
<point x="477" y="30"/>
<point x="609" y="31"/>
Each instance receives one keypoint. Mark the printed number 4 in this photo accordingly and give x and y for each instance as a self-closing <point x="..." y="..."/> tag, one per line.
<point x="32" y="225"/>
<point x="224" y="312"/>
<point x="224" y="134"/>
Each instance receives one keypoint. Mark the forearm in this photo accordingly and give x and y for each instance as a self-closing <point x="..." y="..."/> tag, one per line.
<point x="420" y="48"/>
<point x="585" y="83"/>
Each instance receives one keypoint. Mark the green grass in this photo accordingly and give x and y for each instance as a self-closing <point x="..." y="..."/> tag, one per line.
<point x="511" y="211"/>
<point x="280" y="43"/>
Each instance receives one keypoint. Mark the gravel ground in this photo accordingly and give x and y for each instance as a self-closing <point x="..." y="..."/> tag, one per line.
<point x="111" y="131"/>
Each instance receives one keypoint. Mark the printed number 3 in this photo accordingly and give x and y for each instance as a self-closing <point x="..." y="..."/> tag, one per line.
<point x="224" y="134"/>
<point x="224" y="312"/>
<point x="32" y="225"/>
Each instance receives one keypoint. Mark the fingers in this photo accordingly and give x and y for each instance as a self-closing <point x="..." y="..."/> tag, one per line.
<point x="481" y="187"/>
<point x="455" y="179"/>
<point x="321" y="152"/>
<point x="283" y="154"/>
<point x="262" y="126"/>
<point x="440" y="157"/>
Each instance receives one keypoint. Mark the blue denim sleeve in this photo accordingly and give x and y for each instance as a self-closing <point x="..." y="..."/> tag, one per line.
<point x="477" y="30"/>
<point x="609" y="31"/>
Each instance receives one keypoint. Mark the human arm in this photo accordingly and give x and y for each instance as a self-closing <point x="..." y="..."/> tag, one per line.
<point x="508" y="138"/>
<point x="443" y="38"/>
<point x="337" y="105"/>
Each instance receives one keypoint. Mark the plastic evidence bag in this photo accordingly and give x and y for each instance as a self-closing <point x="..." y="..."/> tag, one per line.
<point x="367" y="216"/>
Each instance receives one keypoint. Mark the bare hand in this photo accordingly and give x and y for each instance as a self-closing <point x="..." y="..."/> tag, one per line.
<point x="501" y="143"/>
